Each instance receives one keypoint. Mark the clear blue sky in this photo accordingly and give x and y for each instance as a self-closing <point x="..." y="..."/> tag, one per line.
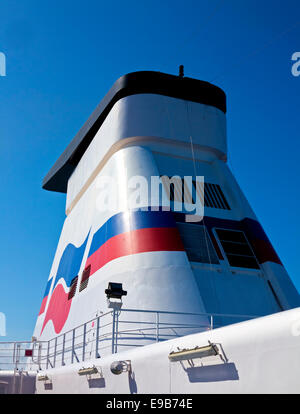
<point x="63" y="56"/>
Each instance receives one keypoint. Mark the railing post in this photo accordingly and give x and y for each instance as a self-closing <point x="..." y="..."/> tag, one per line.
<point x="54" y="357"/>
<point x="157" y="327"/>
<point x="18" y="355"/>
<point x="83" y="344"/>
<point x="14" y="354"/>
<point x="116" y="331"/>
<point x="63" y="350"/>
<point x="14" y="382"/>
<point x="97" y="337"/>
<point x="39" y="355"/>
<point x="73" y="344"/>
<point x="113" y="333"/>
<point x="21" y="382"/>
<point x="48" y="350"/>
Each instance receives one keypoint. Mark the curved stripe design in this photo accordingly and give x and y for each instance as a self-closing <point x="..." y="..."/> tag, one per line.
<point x="58" y="309"/>
<point x="45" y="297"/>
<point x="68" y="268"/>
<point x="124" y="234"/>
<point x="133" y="242"/>
<point x="130" y="233"/>
<point x="70" y="262"/>
<point x="129" y="221"/>
<point x="133" y="232"/>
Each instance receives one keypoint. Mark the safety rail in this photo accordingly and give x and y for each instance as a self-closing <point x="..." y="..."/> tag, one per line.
<point x="108" y="333"/>
<point x="16" y="355"/>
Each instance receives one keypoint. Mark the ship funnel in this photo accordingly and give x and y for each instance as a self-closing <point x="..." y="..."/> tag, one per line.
<point x="155" y="149"/>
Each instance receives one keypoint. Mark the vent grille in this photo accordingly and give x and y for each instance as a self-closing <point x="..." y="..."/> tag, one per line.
<point x="197" y="243"/>
<point x="85" y="278"/>
<point x="73" y="287"/>
<point x="237" y="249"/>
<point x="210" y="195"/>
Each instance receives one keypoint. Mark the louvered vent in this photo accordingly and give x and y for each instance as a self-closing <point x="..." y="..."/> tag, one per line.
<point x="237" y="249"/>
<point x="85" y="278"/>
<point x="211" y="195"/>
<point x="73" y="288"/>
<point x="197" y="243"/>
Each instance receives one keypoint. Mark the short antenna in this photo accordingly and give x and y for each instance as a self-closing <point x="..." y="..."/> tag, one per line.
<point x="181" y="72"/>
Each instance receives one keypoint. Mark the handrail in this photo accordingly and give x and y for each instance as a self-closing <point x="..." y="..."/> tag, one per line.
<point x="229" y="315"/>
<point x="91" y="339"/>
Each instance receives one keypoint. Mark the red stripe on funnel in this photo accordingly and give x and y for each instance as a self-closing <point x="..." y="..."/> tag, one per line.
<point x="43" y="305"/>
<point x="137" y="241"/>
<point x="58" y="309"/>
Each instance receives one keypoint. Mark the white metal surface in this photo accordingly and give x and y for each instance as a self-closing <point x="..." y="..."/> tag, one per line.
<point x="259" y="356"/>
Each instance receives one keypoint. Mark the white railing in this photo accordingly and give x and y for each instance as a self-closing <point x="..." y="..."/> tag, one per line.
<point x="13" y="355"/>
<point x="109" y="333"/>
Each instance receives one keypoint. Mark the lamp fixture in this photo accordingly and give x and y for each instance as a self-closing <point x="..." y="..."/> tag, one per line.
<point x="117" y="367"/>
<point x="114" y="294"/>
<point x="197" y="352"/>
<point x="41" y="377"/>
<point x="88" y="370"/>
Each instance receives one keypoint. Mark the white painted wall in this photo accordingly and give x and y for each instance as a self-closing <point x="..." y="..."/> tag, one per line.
<point x="149" y="115"/>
